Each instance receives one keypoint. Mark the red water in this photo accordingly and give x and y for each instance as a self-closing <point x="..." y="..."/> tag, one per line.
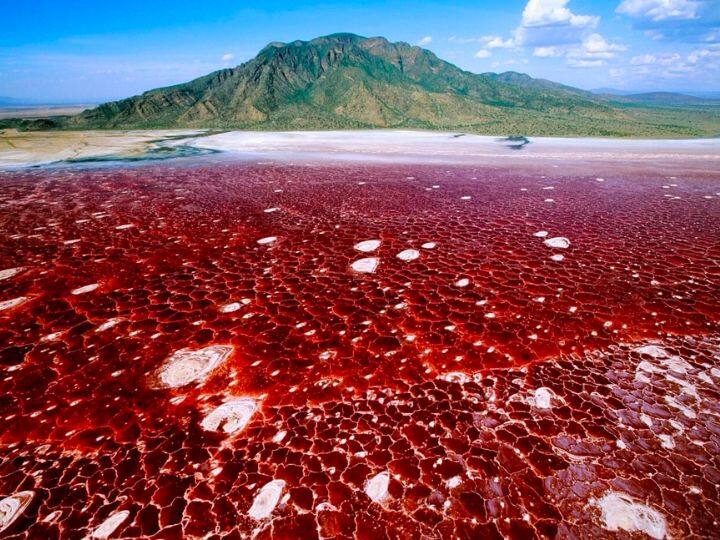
<point x="426" y="370"/>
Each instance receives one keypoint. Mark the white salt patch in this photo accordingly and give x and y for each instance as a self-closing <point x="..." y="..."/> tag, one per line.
<point x="621" y="512"/>
<point x="377" y="487"/>
<point x="541" y="234"/>
<point x="408" y="255"/>
<point x="558" y="242"/>
<point x="429" y="245"/>
<point x="85" y="289"/>
<point x="666" y="441"/>
<point x="542" y="398"/>
<point x="464" y="282"/>
<point x="455" y="377"/>
<point x="366" y="246"/>
<point x="7" y="304"/>
<point x="11" y="507"/>
<point x="126" y="226"/>
<point x="558" y="258"/>
<point x="453" y="482"/>
<point x="279" y="436"/>
<point x="271" y="210"/>
<point x="366" y="266"/>
<point x="186" y="366"/>
<point x="10" y="272"/>
<point x="232" y="416"/>
<point x="267" y="240"/>
<point x="267" y="499"/>
<point x="229" y="308"/>
<point x="108" y="324"/>
<point x="652" y="350"/>
<point x="466" y="197"/>
<point x="107" y="527"/>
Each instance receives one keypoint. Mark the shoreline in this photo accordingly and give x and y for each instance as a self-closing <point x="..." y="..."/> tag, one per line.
<point x="21" y="150"/>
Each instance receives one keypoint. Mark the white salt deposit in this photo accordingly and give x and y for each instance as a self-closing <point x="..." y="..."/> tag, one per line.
<point x="10" y="272"/>
<point x="366" y="246"/>
<point x="108" y="324"/>
<point x="542" y="398"/>
<point x="429" y="245"/>
<point x="455" y="377"/>
<point x="366" y="266"/>
<point x="11" y="507"/>
<point x="541" y="234"/>
<point x="558" y="258"/>
<point x="267" y="240"/>
<point x="377" y="487"/>
<point x="408" y="255"/>
<point x="229" y="308"/>
<point x="85" y="289"/>
<point x="453" y="482"/>
<point x="621" y="512"/>
<point x="558" y="242"/>
<point x="186" y="365"/>
<point x="266" y="500"/>
<point x="232" y="416"/>
<point x="464" y="282"/>
<point x="271" y="210"/>
<point x="652" y="350"/>
<point x="126" y="226"/>
<point x="107" y="527"/>
<point x="7" y="304"/>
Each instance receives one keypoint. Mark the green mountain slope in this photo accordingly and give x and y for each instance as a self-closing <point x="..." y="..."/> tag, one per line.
<point x="345" y="81"/>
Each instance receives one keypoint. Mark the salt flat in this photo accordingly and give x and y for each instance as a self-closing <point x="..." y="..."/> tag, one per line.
<point x="432" y="146"/>
<point x="19" y="149"/>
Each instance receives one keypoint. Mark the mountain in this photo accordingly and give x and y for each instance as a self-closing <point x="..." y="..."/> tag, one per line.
<point x="345" y="81"/>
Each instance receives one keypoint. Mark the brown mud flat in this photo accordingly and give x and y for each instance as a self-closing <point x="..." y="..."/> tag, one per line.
<point x="195" y="351"/>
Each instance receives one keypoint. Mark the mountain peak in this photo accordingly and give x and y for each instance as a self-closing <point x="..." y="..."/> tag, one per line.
<point x="345" y="81"/>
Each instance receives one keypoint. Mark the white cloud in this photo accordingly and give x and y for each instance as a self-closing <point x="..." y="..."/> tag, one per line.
<point x="550" y="22"/>
<point x="227" y="57"/>
<point x="579" y="63"/>
<point x="538" y="13"/>
<point x="483" y="53"/>
<point x="643" y="60"/>
<point x="497" y="42"/>
<point x="548" y="52"/>
<point x="595" y="46"/>
<point x="427" y="40"/>
<point x="660" y="10"/>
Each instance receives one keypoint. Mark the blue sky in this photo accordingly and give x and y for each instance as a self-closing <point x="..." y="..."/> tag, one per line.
<point x="83" y="51"/>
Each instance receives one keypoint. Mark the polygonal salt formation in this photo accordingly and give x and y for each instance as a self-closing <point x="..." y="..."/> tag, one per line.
<point x="377" y="487"/>
<point x="107" y="527"/>
<point x="232" y="416"/>
<point x="11" y="507"/>
<point x="186" y="365"/>
<point x="408" y="255"/>
<point x="266" y="500"/>
<point x="366" y="246"/>
<point x="621" y="512"/>
<point x="558" y="242"/>
<point x="366" y="266"/>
